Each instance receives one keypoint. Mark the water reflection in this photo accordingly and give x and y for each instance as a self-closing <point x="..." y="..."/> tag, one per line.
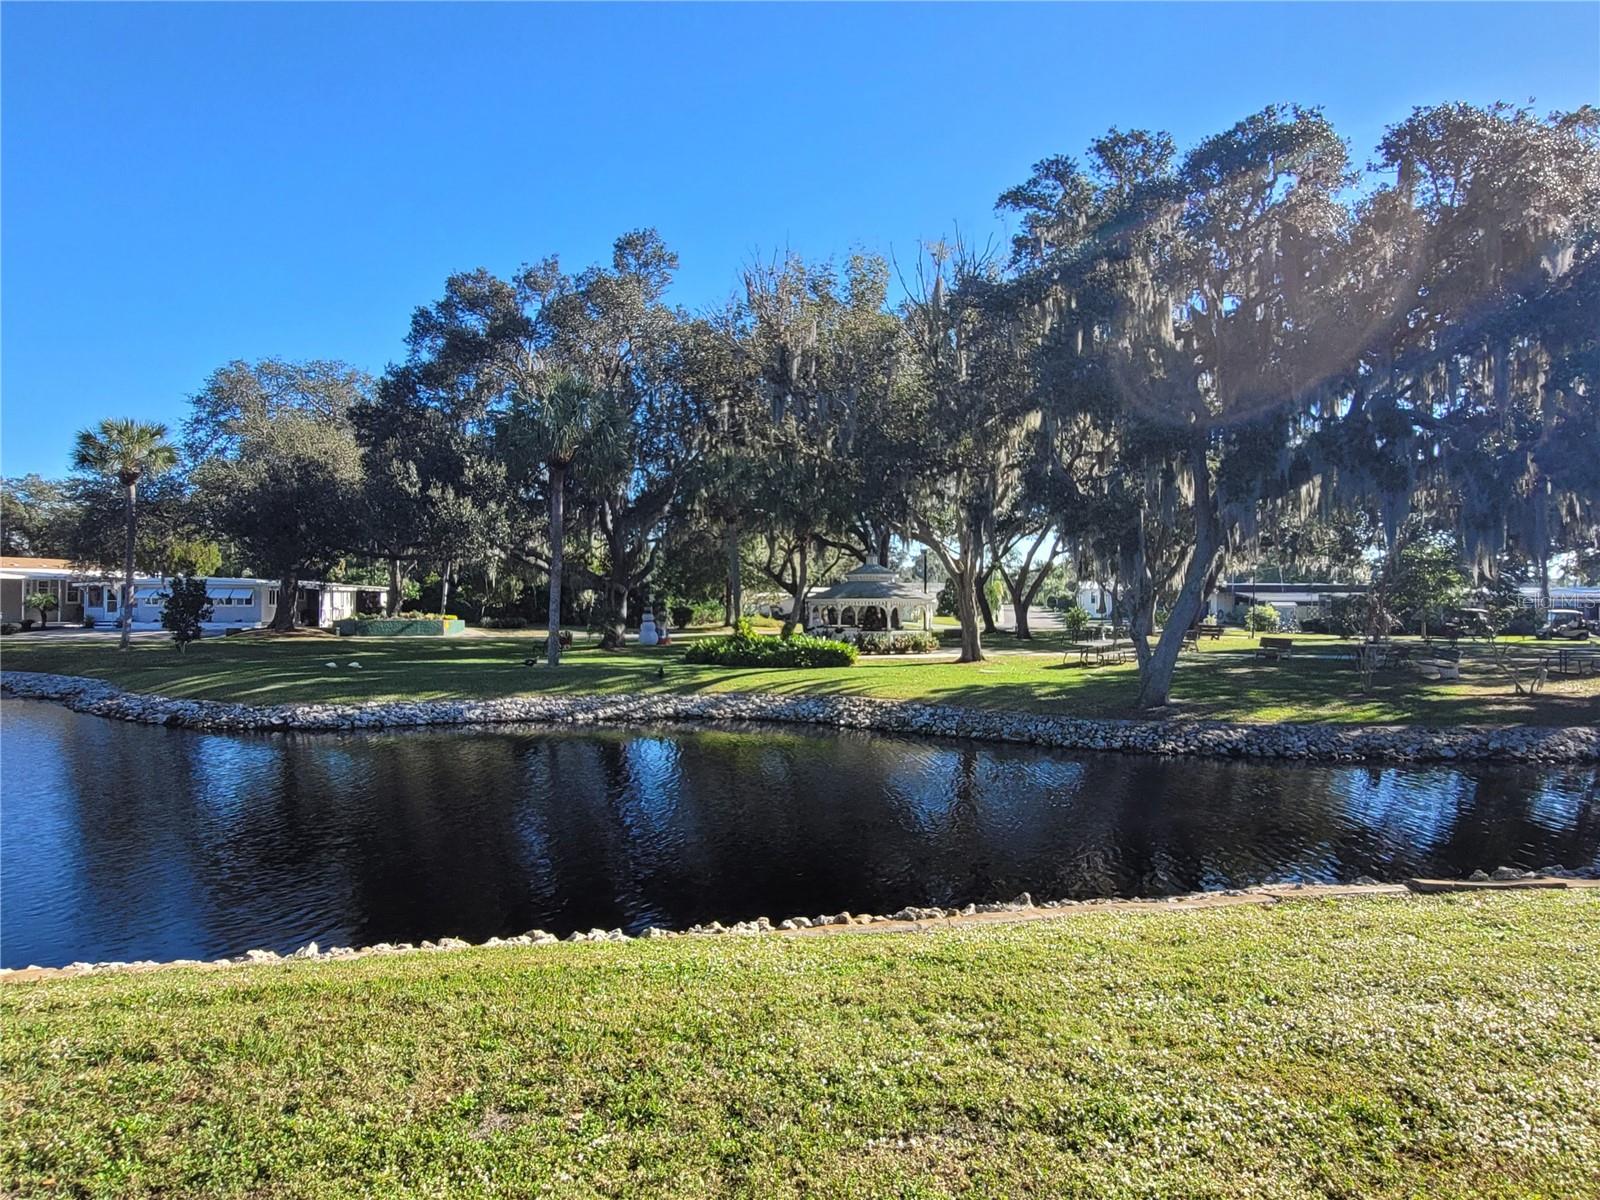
<point x="120" y="841"/>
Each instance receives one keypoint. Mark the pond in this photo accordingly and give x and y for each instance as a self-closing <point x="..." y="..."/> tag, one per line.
<point x="124" y="841"/>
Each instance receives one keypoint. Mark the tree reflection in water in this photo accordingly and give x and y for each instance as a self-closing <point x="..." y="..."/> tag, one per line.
<point x="124" y="841"/>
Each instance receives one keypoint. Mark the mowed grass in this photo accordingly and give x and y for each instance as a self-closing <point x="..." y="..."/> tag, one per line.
<point x="1358" y="1048"/>
<point x="1224" y="680"/>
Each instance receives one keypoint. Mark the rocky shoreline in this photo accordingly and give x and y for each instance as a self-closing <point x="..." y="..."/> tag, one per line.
<point x="1209" y="739"/>
<point x="911" y="919"/>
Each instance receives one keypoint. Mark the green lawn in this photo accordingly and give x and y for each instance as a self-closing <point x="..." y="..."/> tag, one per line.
<point x="1356" y="1048"/>
<point x="1224" y="680"/>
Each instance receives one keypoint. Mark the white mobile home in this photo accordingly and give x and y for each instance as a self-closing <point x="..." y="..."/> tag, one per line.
<point x="245" y="603"/>
<point x="237" y="602"/>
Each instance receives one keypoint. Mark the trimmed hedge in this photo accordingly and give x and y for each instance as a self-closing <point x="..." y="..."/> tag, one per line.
<point x="746" y="648"/>
<point x="504" y="623"/>
<point x="401" y="626"/>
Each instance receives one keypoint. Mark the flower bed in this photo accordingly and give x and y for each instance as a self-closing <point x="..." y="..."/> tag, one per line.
<point x="401" y="626"/>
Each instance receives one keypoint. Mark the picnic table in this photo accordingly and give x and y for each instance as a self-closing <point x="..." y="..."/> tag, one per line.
<point x="1572" y="661"/>
<point x="1385" y="652"/>
<point x="1099" y="653"/>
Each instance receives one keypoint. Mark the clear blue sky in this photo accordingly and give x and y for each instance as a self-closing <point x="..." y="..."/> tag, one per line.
<point x="184" y="185"/>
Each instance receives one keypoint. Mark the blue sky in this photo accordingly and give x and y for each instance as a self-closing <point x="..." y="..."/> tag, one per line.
<point x="185" y="185"/>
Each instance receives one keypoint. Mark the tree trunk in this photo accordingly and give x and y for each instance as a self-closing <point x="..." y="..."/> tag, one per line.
<point x="129" y="502"/>
<point x="558" y="483"/>
<point x="967" y="601"/>
<point x="444" y="585"/>
<point x="1155" y="678"/>
<point x="396" y="584"/>
<point x="734" y="609"/>
<point x="802" y="583"/>
<point x="288" y="611"/>
<point x="1541" y="534"/>
<point x="985" y="610"/>
<point x="1020" y="607"/>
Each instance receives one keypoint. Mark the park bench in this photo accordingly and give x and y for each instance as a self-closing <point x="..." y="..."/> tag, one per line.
<point x="1210" y="629"/>
<point x="1275" y="649"/>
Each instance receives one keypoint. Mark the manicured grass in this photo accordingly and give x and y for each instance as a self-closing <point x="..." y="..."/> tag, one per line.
<point x="1358" y="1048"/>
<point x="1223" y="681"/>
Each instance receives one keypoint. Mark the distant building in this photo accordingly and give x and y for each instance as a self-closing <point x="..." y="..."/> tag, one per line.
<point x="1299" y="601"/>
<point x="236" y="601"/>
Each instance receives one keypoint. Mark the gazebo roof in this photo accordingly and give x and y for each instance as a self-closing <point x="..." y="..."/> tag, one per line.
<point x="871" y="582"/>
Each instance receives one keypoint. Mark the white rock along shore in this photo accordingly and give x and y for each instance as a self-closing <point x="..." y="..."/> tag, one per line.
<point x="911" y="919"/>
<point x="1210" y="739"/>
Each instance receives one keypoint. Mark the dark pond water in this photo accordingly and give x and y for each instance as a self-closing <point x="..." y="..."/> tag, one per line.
<point x="121" y="841"/>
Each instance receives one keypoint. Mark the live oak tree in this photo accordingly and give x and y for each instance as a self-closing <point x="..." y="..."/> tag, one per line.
<point x="434" y="489"/>
<point x="967" y="416"/>
<point x="611" y="327"/>
<point x="1204" y="285"/>
<point x="1502" y="320"/>
<point x="36" y="515"/>
<point x="820" y="468"/>
<point x="279" y="468"/>
<point x="128" y="452"/>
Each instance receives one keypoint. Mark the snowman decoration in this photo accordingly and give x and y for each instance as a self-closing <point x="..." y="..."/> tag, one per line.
<point x="649" y="635"/>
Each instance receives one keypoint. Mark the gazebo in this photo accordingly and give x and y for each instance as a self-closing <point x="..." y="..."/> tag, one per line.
<point x="869" y="599"/>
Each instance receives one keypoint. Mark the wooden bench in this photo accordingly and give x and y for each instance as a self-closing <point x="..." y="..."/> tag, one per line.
<point x="1210" y="629"/>
<point x="1275" y="649"/>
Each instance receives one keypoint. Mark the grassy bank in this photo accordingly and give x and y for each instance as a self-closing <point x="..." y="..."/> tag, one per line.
<point x="1393" y="1047"/>
<point x="1224" y="680"/>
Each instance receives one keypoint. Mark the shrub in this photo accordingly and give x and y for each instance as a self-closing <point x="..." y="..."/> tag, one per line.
<point x="1074" y="620"/>
<point x="747" y="648"/>
<point x="1261" y="618"/>
<point x="88" y="620"/>
<point x="186" y="608"/>
<point x="8" y="628"/>
<point x="899" y="641"/>
<point x="503" y="622"/>
<point x="1315" y="625"/>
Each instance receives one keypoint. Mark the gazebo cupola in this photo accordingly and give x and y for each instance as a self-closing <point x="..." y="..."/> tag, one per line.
<point x="871" y="598"/>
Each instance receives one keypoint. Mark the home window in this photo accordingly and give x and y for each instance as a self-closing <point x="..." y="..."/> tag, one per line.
<point x="111" y="600"/>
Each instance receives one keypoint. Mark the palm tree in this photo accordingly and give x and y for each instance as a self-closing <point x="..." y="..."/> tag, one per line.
<point x="551" y="425"/>
<point x="128" y="451"/>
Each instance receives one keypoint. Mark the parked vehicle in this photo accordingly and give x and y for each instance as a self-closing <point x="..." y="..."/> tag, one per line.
<point x="1566" y="624"/>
